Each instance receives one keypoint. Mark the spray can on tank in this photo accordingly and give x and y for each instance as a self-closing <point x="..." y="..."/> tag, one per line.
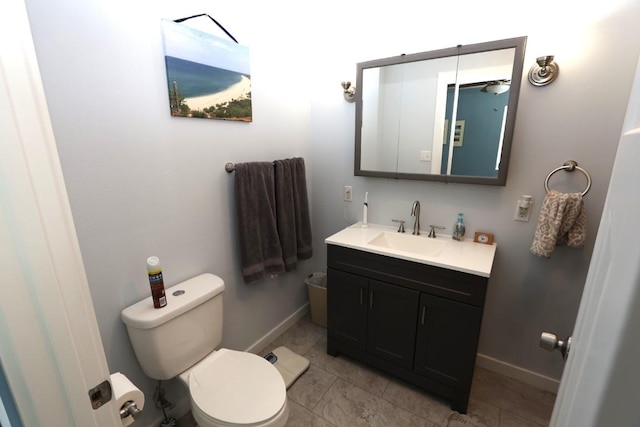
<point x="156" y="282"/>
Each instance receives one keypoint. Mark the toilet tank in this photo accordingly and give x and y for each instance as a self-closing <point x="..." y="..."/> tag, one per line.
<point x="169" y="340"/>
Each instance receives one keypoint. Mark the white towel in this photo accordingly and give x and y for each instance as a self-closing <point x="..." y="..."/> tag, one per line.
<point x="562" y="221"/>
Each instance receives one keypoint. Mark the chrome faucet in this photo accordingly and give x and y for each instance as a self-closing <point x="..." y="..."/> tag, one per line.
<point x="401" y="227"/>
<point x="415" y="211"/>
<point x="432" y="232"/>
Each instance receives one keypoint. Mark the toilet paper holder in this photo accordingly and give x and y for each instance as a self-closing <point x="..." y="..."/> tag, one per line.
<point x="130" y="408"/>
<point x="129" y="398"/>
<point x="103" y="393"/>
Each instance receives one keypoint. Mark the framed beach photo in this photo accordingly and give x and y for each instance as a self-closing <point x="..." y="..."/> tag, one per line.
<point x="208" y="77"/>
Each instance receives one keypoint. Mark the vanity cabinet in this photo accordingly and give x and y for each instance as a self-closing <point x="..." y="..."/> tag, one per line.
<point x="374" y="316"/>
<point x="418" y="322"/>
<point x="446" y="341"/>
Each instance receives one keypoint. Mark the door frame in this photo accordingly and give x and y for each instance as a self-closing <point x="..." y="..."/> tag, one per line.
<point x="50" y="345"/>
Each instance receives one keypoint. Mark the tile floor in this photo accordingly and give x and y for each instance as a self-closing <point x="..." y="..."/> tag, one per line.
<point x="343" y="392"/>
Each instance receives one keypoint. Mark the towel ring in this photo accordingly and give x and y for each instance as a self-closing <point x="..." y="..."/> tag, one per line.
<point x="569" y="166"/>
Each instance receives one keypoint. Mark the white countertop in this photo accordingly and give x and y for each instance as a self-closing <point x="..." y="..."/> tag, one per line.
<point x="466" y="256"/>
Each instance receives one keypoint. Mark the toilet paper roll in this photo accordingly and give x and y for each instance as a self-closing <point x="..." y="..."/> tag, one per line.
<point x="123" y="392"/>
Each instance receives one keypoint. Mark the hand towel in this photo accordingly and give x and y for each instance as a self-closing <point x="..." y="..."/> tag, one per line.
<point x="292" y="211"/>
<point x="562" y="221"/>
<point x="260" y="250"/>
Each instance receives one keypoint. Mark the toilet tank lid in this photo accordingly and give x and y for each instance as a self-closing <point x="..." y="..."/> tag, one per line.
<point x="180" y="299"/>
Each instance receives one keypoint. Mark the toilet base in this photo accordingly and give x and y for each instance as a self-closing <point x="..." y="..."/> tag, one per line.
<point x="279" y="420"/>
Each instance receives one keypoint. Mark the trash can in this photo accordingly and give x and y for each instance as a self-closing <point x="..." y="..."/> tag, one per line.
<point x="317" y="287"/>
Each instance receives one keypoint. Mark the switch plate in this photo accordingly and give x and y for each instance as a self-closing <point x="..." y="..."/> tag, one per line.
<point x="425" y="156"/>
<point x="348" y="193"/>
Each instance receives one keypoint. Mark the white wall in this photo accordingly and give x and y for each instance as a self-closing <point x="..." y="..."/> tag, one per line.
<point x="142" y="183"/>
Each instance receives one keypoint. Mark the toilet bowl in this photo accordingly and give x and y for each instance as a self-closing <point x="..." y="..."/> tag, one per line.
<point x="234" y="388"/>
<point x="226" y="387"/>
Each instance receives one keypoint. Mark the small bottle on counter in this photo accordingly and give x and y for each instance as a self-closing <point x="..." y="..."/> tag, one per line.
<point x="156" y="281"/>
<point x="458" y="228"/>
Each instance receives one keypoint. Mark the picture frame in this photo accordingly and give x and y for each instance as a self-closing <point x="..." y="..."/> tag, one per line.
<point x="458" y="136"/>
<point x="207" y="76"/>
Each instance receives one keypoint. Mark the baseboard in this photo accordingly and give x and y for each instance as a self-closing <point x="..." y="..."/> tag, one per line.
<point x="263" y="342"/>
<point x="529" y="377"/>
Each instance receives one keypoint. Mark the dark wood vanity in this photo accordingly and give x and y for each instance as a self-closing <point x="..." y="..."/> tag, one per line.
<point x="418" y="322"/>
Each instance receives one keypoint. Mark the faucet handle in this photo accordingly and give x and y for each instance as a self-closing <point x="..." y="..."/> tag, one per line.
<point x="432" y="231"/>
<point x="401" y="228"/>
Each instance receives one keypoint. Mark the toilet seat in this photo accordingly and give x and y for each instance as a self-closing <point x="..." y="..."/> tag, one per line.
<point x="231" y="387"/>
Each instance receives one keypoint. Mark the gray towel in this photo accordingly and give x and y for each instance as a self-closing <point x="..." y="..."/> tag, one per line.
<point x="260" y="250"/>
<point x="292" y="211"/>
<point x="562" y="221"/>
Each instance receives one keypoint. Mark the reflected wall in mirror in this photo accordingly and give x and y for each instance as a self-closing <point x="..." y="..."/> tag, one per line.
<point x="446" y="115"/>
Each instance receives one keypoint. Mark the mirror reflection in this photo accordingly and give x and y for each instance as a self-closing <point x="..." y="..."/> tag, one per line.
<point x="445" y="115"/>
<point x="480" y="121"/>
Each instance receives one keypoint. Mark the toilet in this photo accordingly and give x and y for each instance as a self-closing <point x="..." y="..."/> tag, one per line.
<point x="226" y="387"/>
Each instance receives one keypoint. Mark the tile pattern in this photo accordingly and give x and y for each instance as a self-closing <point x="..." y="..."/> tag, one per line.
<point x="339" y="391"/>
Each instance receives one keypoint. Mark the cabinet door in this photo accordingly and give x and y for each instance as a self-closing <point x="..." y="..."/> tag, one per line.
<point x="447" y="340"/>
<point x="393" y="313"/>
<point x="347" y="305"/>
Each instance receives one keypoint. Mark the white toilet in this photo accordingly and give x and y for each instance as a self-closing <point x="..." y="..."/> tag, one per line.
<point x="227" y="387"/>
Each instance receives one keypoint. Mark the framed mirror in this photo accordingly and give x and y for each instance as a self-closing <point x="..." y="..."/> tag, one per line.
<point x="445" y="115"/>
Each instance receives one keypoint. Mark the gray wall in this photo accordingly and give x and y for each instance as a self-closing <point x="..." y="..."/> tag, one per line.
<point x="573" y="118"/>
<point x="142" y="183"/>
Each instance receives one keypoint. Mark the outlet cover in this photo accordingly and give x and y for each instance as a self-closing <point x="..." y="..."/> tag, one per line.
<point x="348" y="193"/>
<point x="425" y="156"/>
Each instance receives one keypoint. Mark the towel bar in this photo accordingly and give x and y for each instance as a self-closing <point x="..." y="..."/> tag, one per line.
<point x="569" y="166"/>
<point x="229" y="167"/>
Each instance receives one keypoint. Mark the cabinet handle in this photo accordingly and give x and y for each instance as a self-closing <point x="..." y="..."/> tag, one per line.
<point x="361" y="296"/>
<point x="370" y="299"/>
<point x="423" y="315"/>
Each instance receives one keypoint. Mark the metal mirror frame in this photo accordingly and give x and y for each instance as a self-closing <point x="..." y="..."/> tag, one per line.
<point x="518" y="43"/>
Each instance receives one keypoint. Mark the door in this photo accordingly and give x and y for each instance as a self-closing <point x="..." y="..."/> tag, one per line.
<point x="447" y="340"/>
<point x="600" y="382"/>
<point x="391" y="329"/>
<point x="347" y="304"/>
<point x="50" y="346"/>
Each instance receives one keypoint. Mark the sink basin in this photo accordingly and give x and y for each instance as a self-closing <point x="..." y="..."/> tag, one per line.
<point x="409" y="243"/>
<point x="464" y="256"/>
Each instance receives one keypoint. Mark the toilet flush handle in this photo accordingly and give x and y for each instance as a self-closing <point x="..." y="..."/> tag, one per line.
<point x="550" y="342"/>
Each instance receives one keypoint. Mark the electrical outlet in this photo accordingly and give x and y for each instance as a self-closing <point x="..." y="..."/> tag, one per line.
<point x="425" y="156"/>
<point x="348" y="193"/>
<point x="523" y="209"/>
